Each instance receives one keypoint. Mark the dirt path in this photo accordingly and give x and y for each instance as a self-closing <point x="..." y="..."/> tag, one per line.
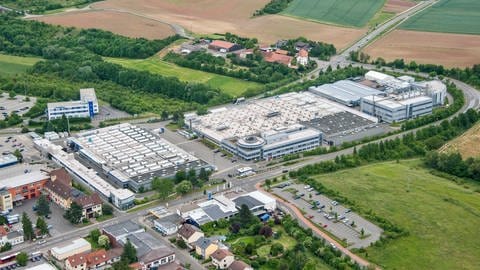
<point x="314" y="228"/>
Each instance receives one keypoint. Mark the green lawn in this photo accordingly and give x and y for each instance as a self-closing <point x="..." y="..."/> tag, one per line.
<point x="449" y="16"/>
<point x="442" y="217"/>
<point x="354" y="13"/>
<point x="11" y="65"/>
<point x="380" y="18"/>
<point x="232" y="86"/>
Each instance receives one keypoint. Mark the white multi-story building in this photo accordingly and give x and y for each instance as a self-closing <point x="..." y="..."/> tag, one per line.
<point x="394" y="108"/>
<point x="87" y="106"/>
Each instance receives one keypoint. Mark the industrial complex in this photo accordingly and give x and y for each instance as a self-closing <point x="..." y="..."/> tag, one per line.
<point x="276" y="126"/>
<point x="87" y="106"/>
<point x="131" y="156"/>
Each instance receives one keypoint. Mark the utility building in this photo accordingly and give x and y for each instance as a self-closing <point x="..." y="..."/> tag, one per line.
<point x="87" y="106"/>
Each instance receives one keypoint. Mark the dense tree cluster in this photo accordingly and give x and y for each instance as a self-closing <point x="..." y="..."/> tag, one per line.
<point x="318" y="49"/>
<point x="452" y="163"/>
<point x="273" y="7"/>
<point x="22" y="37"/>
<point x="247" y="43"/>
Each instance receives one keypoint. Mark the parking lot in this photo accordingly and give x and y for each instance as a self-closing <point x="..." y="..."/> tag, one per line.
<point x="16" y="104"/>
<point x="331" y="216"/>
<point x="8" y="144"/>
<point x="59" y="224"/>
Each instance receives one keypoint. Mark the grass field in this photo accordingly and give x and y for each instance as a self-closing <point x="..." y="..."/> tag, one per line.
<point x="442" y="217"/>
<point x="464" y="143"/>
<point x="380" y="17"/>
<point x="449" y="16"/>
<point x="340" y="12"/>
<point x="232" y="86"/>
<point x="11" y="65"/>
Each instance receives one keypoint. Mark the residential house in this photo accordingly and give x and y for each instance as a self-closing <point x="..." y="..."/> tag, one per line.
<point x="97" y="260"/>
<point x="190" y="234"/>
<point x="151" y="252"/>
<point x="205" y="247"/>
<point x="12" y="237"/>
<point x="302" y="57"/>
<point x="91" y="205"/>
<point x="281" y="43"/>
<point x="222" y="258"/>
<point x="274" y="57"/>
<point x="168" y="224"/>
<point x="239" y="265"/>
<point x="243" y="54"/>
<point x="302" y="45"/>
<point x="223" y="46"/>
<point x="59" y="188"/>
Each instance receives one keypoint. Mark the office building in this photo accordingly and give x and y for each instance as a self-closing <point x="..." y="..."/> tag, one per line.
<point x="395" y="108"/>
<point x="87" y="106"/>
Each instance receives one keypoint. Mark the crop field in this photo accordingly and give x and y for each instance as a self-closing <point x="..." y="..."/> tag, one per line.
<point x="450" y="50"/>
<point x="120" y="23"/>
<point x="397" y="6"/>
<point x="466" y="145"/>
<point x="235" y="16"/>
<point x="448" y="16"/>
<point x="11" y="65"/>
<point x="441" y="217"/>
<point x="232" y="86"/>
<point x="339" y="12"/>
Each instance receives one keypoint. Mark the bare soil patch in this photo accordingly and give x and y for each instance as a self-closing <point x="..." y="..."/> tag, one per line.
<point x="116" y="22"/>
<point x="467" y="144"/>
<point x="235" y="16"/>
<point x="450" y="50"/>
<point x="397" y="6"/>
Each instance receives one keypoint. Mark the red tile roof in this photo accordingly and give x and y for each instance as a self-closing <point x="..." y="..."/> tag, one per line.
<point x="280" y="51"/>
<point x="77" y="259"/>
<point x="277" y="58"/>
<point x="221" y="254"/>
<point x="97" y="257"/>
<point x="238" y="265"/>
<point x="3" y="232"/>
<point x="61" y="175"/>
<point x="88" y="200"/>
<point x="222" y="44"/>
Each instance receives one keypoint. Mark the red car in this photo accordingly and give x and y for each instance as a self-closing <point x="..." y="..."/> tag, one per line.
<point x="324" y="226"/>
<point x="310" y="217"/>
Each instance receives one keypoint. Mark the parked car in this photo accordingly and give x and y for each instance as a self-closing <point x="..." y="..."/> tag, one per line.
<point x="334" y="203"/>
<point x="348" y="211"/>
<point x="310" y="216"/>
<point x="324" y="226"/>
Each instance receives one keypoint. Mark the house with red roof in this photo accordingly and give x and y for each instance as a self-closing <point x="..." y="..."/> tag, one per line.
<point x="223" y="46"/>
<point x="302" y="57"/>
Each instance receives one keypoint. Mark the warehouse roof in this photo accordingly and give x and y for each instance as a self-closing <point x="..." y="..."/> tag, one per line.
<point x="23" y="179"/>
<point x="346" y="91"/>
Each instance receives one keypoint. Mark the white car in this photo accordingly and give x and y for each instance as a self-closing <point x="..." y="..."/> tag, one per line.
<point x="334" y="203"/>
<point x="306" y="187"/>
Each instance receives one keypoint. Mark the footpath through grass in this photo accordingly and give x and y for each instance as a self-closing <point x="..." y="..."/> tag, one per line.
<point x="442" y="217"/>
<point x="232" y="86"/>
<point x="449" y="16"/>
<point x="341" y="12"/>
<point x="11" y="65"/>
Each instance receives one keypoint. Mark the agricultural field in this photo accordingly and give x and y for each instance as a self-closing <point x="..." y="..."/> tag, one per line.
<point x="11" y="65"/>
<point x="235" y="16"/>
<point x="448" y="16"/>
<point x="450" y="50"/>
<point x="338" y="12"/>
<point x="232" y="86"/>
<point x="43" y="4"/>
<point x="466" y="145"/>
<point x="119" y="23"/>
<point x="397" y="6"/>
<point x="441" y="217"/>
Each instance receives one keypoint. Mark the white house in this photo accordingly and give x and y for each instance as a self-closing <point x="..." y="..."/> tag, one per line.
<point x="222" y="258"/>
<point x="302" y="57"/>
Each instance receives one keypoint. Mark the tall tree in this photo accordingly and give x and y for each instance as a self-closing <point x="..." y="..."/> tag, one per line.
<point x="74" y="214"/>
<point x="94" y="235"/>
<point x="107" y="209"/>
<point x="22" y="258"/>
<point x="27" y="227"/>
<point x="43" y="206"/>
<point x="164" y="187"/>
<point x="184" y="187"/>
<point x="129" y="254"/>
<point x="104" y="241"/>
<point x="42" y="226"/>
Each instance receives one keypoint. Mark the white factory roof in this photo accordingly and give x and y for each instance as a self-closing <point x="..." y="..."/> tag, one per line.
<point x="260" y="196"/>
<point x="88" y="94"/>
<point x="394" y="101"/>
<point x="71" y="246"/>
<point x="7" y="159"/>
<point x="257" y="116"/>
<point x="377" y="76"/>
<point x="23" y="179"/>
<point x="344" y="90"/>
<point x="43" y="266"/>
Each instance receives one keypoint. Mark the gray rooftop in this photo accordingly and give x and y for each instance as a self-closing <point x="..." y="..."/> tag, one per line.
<point x="123" y="228"/>
<point x="203" y="242"/>
<point x="144" y="243"/>
<point x="215" y="213"/>
<point x="250" y="202"/>
<point x="345" y="91"/>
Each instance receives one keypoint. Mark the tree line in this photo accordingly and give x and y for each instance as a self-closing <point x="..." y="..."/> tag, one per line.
<point x="273" y="7"/>
<point x="452" y="163"/>
<point x="40" y="6"/>
<point x="256" y="69"/>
